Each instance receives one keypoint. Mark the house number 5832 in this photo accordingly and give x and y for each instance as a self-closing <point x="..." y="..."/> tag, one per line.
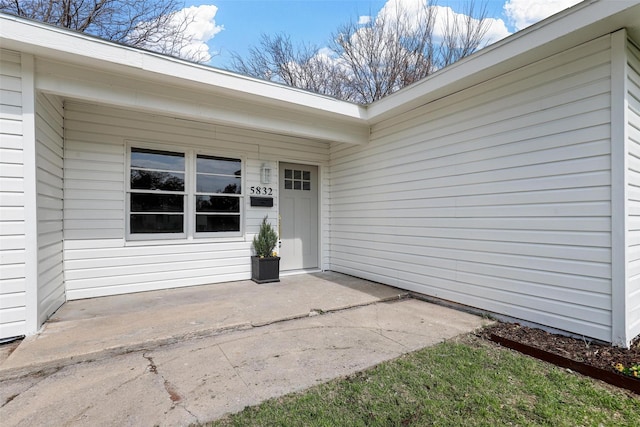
<point x="265" y="191"/>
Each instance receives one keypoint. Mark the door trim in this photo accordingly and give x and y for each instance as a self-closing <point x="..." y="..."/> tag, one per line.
<point x="320" y="223"/>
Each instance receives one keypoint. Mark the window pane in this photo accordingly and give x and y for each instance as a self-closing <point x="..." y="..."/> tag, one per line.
<point x="156" y="223"/>
<point x="217" y="223"/>
<point x="306" y="186"/>
<point x="297" y="185"/>
<point x="156" y="203"/>
<point x="155" y="159"/>
<point x="306" y="175"/>
<point x="297" y="174"/>
<point x="217" y="204"/>
<point x="219" y="165"/>
<point x="218" y="184"/>
<point x="288" y="184"/>
<point x="288" y="173"/>
<point x="150" y="180"/>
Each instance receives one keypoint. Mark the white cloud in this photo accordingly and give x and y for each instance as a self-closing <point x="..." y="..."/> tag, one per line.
<point x="444" y="15"/>
<point x="364" y="20"/>
<point x="496" y="28"/>
<point x="413" y="8"/>
<point x="197" y="26"/>
<point x="523" y="13"/>
<point x="326" y="53"/>
<point x="412" y="15"/>
<point x="520" y="13"/>
<point x="200" y="30"/>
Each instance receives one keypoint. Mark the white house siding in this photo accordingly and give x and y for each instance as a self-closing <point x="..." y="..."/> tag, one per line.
<point x="12" y="221"/>
<point x="497" y="197"/>
<point x="633" y="176"/>
<point x="98" y="260"/>
<point x="49" y="151"/>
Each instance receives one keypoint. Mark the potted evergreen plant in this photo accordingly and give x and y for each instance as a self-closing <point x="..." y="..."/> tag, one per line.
<point x="265" y="264"/>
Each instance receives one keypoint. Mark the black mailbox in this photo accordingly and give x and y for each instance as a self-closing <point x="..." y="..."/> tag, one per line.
<point x="262" y="202"/>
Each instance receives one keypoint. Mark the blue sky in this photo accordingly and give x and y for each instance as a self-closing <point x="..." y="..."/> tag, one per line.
<point x="235" y="25"/>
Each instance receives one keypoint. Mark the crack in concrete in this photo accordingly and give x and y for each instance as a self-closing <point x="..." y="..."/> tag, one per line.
<point x="152" y="366"/>
<point x="174" y="396"/>
<point x="103" y="354"/>
<point x="235" y="369"/>
<point x="9" y="399"/>
<point x="197" y="421"/>
<point x="321" y="312"/>
<point x="381" y="331"/>
<point x="82" y="415"/>
<point x="38" y="377"/>
<point x="173" y="393"/>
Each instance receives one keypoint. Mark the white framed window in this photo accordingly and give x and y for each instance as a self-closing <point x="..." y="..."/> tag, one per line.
<point x="182" y="194"/>
<point x="218" y="195"/>
<point x="157" y="193"/>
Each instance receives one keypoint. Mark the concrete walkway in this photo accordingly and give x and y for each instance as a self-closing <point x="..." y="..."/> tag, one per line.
<point x="192" y="355"/>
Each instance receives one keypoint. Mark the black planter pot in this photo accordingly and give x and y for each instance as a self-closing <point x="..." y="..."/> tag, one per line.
<point x="265" y="270"/>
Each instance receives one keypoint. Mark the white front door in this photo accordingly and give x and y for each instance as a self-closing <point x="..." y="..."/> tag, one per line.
<point x="298" y="216"/>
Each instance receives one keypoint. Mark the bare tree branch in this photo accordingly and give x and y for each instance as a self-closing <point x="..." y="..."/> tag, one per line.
<point x="277" y="59"/>
<point x="368" y="62"/>
<point x="152" y="24"/>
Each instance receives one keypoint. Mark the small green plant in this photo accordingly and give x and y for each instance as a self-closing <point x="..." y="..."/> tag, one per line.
<point x="632" y="371"/>
<point x="266" y="240"/>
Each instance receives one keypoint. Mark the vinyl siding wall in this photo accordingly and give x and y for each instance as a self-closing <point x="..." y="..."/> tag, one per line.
<point x="12" y="220"/>
<point x="497" y="197"/>
<point x="633" y="177"/>
<point x="98" y="259"/>
<point x="49" y="173"/>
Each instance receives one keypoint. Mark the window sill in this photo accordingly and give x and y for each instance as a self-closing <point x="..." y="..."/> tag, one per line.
<point x="183" y="241"/>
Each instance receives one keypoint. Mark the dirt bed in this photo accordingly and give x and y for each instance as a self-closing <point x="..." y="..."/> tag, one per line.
<point x="581" y="350"/>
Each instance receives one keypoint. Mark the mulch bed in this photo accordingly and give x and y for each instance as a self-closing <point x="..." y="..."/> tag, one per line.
<point x="581" y="355"/>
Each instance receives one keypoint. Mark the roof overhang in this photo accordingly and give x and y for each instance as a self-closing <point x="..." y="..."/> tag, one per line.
<point x="129" y="77"/>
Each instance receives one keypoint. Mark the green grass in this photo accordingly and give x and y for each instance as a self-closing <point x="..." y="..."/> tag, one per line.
<point x="465" y="383"/>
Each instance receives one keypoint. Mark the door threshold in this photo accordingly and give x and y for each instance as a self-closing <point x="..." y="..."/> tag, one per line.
<point x="301" y="271"/>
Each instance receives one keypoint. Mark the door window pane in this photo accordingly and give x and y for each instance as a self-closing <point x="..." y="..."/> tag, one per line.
<point x="297" y="180"/>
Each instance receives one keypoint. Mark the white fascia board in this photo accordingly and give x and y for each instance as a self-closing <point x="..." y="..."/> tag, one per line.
<point x="51" y="42"/>
<point x="250" y="88"/>
<point x="583" y="22"/>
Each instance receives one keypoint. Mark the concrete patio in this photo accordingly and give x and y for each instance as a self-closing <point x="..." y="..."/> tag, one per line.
<point x="189" y="355"/>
